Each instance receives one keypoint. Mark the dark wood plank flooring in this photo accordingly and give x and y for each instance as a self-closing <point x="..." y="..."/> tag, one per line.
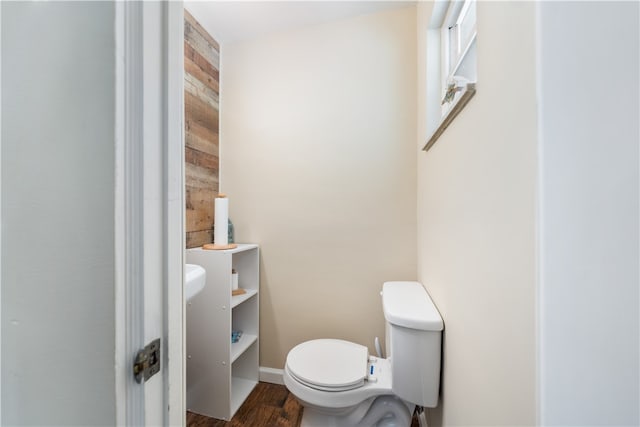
<point x="268" y="405"/>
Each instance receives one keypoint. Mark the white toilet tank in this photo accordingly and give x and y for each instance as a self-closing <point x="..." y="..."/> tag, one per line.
<point x="413" y="342"/>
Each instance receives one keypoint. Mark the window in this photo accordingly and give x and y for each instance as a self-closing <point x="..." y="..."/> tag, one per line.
<point x="451" y="63"/>
<point x="458" y="51"/>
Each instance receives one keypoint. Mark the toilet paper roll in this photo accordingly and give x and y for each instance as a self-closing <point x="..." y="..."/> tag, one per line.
<point x="221" y="225"/>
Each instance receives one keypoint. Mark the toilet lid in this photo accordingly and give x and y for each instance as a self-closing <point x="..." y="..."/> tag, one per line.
<point x="328" y="364"/>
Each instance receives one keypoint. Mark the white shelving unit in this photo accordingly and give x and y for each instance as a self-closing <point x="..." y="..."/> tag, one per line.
<point x="220" y="375"/>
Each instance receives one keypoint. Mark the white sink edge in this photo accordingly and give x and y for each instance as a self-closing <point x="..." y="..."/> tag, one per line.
<point x="194" y="280"/>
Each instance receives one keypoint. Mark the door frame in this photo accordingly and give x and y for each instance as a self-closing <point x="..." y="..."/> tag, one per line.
<point x="0" y="217"/>
<point x="174" y="199"/>
<point x="131" y="34"/>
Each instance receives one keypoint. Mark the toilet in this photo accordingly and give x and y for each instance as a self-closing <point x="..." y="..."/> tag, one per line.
<point x="339" y="384"/>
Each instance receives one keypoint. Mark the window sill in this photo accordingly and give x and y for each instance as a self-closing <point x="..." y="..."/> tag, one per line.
<point x="467" y="94"/>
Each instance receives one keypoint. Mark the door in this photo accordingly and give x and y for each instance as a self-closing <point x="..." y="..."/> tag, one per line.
<point x="149" y="209"/>
<point x="59" y="302"/>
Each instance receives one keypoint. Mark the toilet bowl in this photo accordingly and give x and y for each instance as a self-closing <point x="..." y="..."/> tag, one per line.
<point x="339" y="384"/>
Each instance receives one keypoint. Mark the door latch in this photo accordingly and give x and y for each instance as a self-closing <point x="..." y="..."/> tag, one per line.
<point x="147" y="362"/>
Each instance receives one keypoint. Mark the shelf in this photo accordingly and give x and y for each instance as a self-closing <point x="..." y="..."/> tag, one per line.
<point x="218" y="390"/>
<point x="239" y="299"/>
<point x="246" y="340"/>
<point x="240" y="248"/>
<point x="240" y="389"/>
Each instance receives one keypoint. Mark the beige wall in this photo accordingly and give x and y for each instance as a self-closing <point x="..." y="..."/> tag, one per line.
<point x="476" y="226"/>
<point x="318" y="159"/>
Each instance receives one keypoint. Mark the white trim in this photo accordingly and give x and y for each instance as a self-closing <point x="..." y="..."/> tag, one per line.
<point x="0" y="218"/>
<point x="120" y="354"/>
<point x="438" y="13"/>
<point x="134" y="204"/>
<point x="131" y="162"/>
<point x="433" y="79"/>
<point x="129" y="238"/>
<point x="271" y="375"/>
<point x="175" y="374"/>
<point x="539" y="225"/>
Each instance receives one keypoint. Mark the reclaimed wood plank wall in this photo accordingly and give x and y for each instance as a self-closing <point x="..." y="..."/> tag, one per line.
<point x="201" y="103"/>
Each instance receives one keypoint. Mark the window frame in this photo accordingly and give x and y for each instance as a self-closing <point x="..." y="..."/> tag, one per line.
<point x="452" y="57"/>
<point x="440" y="72"/>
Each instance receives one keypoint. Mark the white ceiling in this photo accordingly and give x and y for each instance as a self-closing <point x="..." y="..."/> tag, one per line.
<point x="229" y="21"/>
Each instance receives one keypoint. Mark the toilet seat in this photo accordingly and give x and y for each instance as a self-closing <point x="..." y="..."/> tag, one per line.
<point x="329" y="364"/>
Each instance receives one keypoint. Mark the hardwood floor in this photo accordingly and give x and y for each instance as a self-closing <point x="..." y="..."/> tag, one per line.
<point x="268" y="405"/>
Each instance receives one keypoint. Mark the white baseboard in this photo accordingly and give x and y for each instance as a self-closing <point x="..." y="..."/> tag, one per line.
<point x="271" y="375"/>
